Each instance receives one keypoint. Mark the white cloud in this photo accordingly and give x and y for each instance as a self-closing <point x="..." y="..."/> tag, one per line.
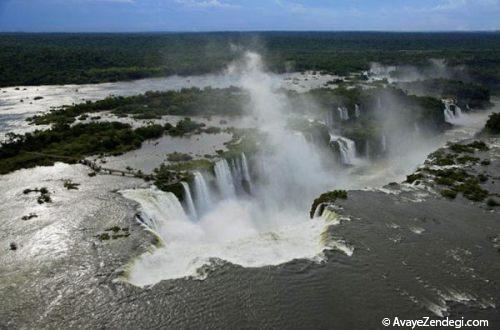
<point x="299" y="8"/>
<point x="205" y="3"/>
<point x="458" y="4"/>
<point x="120" y="1"/>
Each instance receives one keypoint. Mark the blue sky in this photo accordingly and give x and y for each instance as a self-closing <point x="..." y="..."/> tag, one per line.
<point x="244" y="15"/>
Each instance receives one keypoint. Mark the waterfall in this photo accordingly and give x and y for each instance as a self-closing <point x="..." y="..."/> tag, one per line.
<point x="224" y="179"/>
<point x="384" y="143"/>
<point x="329" y="119"/>
<point x="347" y="149"/>
<point x="188" y="200"/>
<point x="246" y="172"/>
<point x="367" y="148"/>
<point x="356" y="110"/>
<point x="451" y="115"/>
<point x="157" y="209"/>
<point x="379" y="103"/>
<point x="343" y="113"/>
<point x="236" y="172"/>
<point x="201" y="193"/>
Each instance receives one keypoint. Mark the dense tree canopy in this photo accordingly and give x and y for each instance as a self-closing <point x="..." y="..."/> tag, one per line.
<point x="31" y="59"/>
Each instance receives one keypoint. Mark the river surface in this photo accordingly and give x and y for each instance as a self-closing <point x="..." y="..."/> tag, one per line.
<point x="401" y="255"/>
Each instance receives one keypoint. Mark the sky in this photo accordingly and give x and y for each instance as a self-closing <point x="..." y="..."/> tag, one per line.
<point x="247" y="15"/>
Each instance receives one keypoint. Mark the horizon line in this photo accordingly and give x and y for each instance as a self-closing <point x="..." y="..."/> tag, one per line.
<point x="245" y="31"/>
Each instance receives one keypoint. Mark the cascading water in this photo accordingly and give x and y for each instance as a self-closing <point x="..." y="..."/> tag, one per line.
<point x="367" y="149"/>
<point x="202" y="197"/>
<point x="347" y="149"/>
<point x="343" y="113"/>
<point x="384" y="143"/>
<point x="451" y="116"/>
<point x="329" y="121"/>
<point x="224" y="179"/>
<point x="357" y="112"/>
<point x="188" y="200"/>
<point x="246" y="172"/>
<point x="272" y="227"/>
<point x="157" y="209"/>
<point x="236" y="172"/>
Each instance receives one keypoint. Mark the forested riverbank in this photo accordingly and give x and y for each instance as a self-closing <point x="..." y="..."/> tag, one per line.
<point x="33" y="59"/>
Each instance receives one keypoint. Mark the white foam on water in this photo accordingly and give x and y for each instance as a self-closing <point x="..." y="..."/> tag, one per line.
<point x="230" y="232"/>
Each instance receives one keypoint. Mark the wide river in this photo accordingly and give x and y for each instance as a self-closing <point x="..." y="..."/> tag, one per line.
<point x="421" y="258"/>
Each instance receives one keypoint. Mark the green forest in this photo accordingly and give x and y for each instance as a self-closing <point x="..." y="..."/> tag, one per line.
<point x="33" y="59"/>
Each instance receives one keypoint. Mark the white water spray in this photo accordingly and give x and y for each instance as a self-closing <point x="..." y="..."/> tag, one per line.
<point x="246" y="172"/>
<point x="202" y="197"/>
<point x="452" y="116"/>
<point x="343" y="113"/>
<point x="188" y="200"/>
<point x="270" y="228"/>
<point x="347" y="149"/>
<point x="224" y="179"/>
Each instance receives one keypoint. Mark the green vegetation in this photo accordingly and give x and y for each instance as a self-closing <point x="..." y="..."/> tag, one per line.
<point x="29" y="216"/>
<point x="44" y="196"/>
<point x="472" y="190"/>
<point x="453" y="174"/>
<point x="473" y="95"/>
<point x="192" y="165"/>
<point x="33" y="59"/>
<point x="414" y="177"/>
<point x="71" y="144"/>
<point x="103" y="236"/>
<point x="247" y="140"/>
<point x="168" y="178"/>
<point x="493" y="124"/>
<point x="448" y="193"/>
<point x="443" y="159"/>
<point x="407" y="110"/>
<point x="469" y="148"/>
<point x="154" y="105"/>
<point x="212" y="130"/>
<point x="427" y="112"/>
<point x="467" y="159"/>
<point x="184" y="126"/>
<point x="70" y="185"/>
<point x="114" y="232"/>
<point x="460" y="181"/>
<point x="328" y="197"/>
<point x="178" y="157"/>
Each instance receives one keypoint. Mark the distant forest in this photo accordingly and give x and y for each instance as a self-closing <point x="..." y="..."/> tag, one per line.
<point x="33" y="59"/>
